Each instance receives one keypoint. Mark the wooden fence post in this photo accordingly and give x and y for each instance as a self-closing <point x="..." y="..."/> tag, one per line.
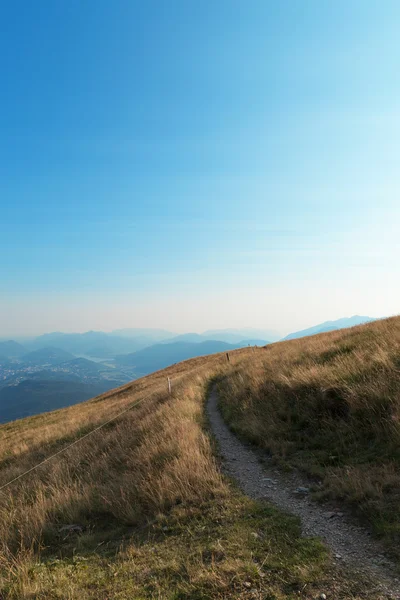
<point x="227" y="357"/>
<point x="169" y="385"/>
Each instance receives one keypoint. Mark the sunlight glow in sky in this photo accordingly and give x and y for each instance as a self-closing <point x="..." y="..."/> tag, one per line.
<point x="198" y="165"/>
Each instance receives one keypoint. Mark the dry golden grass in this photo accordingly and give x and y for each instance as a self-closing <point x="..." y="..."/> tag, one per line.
<point x="138" y="464"/>
<point x="31" y="433"/>
<point x="157" y="519"/>
<point x="329" y="404"/>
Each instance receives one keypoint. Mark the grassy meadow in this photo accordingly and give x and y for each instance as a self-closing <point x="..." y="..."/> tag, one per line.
<point x="330" y="405"/>
<point x="154" y="517"/>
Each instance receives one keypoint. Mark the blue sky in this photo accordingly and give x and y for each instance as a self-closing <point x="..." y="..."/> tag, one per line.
<point x="193" y="165"/>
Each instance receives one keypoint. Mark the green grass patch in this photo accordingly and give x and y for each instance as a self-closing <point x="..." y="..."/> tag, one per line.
<point x="237" y="548"/>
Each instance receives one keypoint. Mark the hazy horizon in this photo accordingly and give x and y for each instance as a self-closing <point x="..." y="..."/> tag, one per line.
<point x="278" y="332"/>
<point x="194" y="167"/>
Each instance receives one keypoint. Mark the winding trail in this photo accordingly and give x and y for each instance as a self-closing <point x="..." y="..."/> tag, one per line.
<point x="350" y="544"/>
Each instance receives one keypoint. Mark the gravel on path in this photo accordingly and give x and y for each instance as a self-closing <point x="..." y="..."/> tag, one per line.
<point x="349" y="543"/>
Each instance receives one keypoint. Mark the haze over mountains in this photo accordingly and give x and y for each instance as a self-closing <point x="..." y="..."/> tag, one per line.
<point x="60" y="369"/>
<point x="160" y="356"/>
<point x="330" y="326"/>
<point x="11" y="349"/>
<point x="99" y="344"/>
<point x="96" y="344"/>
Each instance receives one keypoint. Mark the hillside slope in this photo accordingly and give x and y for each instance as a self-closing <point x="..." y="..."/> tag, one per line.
<point x="139" y="509"/>
<point x="329" y="405"/>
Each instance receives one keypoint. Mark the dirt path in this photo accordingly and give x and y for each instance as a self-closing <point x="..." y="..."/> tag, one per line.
<point x="350" y="544"/>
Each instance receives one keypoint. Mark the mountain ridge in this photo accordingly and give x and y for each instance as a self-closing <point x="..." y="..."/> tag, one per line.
<point x="161" y="356"/>
<point x="11" y="349"/>
<point x="341" y="323"/>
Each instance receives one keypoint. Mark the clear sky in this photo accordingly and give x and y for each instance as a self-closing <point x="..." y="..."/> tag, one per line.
<point x="195" y="165"/>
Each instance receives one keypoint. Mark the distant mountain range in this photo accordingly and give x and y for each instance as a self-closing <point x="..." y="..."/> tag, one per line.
<point x="197" y="338"/>
<point x="102" y="345"/>
<point x="96" y="344"/>
<point x="160" y="356"/>
<point x="330" y="326"/>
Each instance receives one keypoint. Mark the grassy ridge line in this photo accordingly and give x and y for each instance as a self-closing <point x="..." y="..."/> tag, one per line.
<point x="329" y="405"/>
<point x="157" y="518"/>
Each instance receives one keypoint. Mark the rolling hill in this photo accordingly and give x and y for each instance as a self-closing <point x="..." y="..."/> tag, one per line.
<point x="86" y="366"/>
<point x="47" y="355"/>
<point x="191" y="338"/>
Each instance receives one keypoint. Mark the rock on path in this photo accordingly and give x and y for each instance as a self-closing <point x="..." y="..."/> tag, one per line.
<point x="349" y="543"/>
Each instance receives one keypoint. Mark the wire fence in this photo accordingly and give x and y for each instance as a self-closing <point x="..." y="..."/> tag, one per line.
<point x="86" y="435"/>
